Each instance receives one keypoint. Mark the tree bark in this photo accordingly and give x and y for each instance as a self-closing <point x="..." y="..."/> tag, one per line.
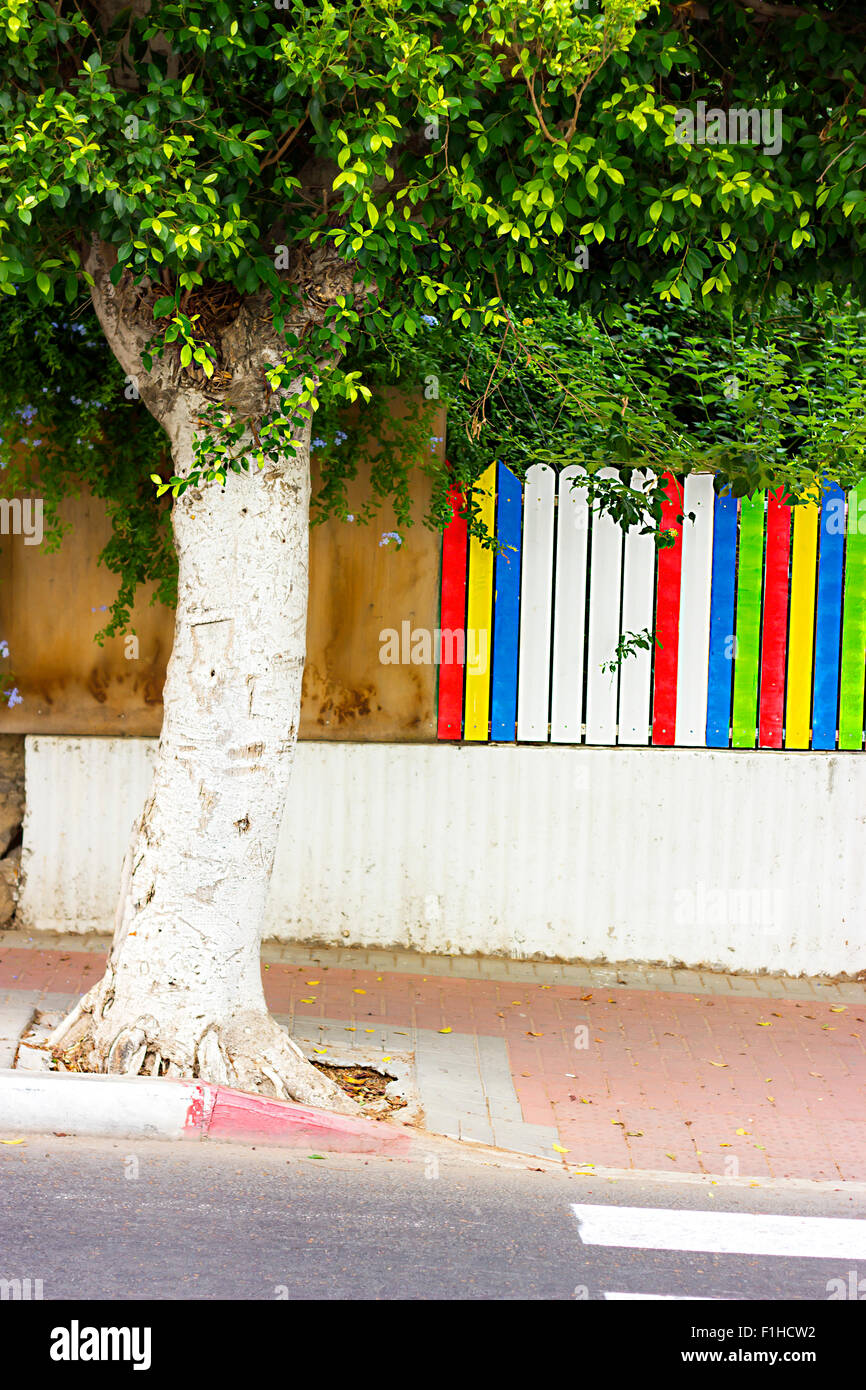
<point x="182" y="993"/>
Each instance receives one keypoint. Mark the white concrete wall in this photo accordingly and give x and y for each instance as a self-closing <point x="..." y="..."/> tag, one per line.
<point x="741" y="860"/>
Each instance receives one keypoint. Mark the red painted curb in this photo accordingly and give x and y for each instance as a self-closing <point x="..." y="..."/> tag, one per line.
<point x="218" y="1112"/>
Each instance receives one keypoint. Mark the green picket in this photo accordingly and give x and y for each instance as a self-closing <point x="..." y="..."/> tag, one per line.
<point x="854" y="626"/>
<point x="744" y="717"/>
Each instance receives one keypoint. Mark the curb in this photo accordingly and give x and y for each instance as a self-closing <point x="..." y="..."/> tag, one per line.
<point x="137" y="1107"/>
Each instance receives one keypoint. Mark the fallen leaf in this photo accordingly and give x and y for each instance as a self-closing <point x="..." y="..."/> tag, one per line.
<point x="13" y="1141"/>
<point x="320" y="1049"/>
<point x="717" y="1064"/>
<point x="535" y="1035"/>
<point x="313" y="982"/>
<point x="744" y="1131"/>
<point x="359" y="991"/>
<point x="317" y="1156"/>
<point x="386" y="1059"/>
<point x="765" y="1024"/>
<point x="308" y="1001"/>
<point x="350" y="1030"/>
<point x="444" y="1030"/>
<point x="672" y="1156"/>
<point x="726" y="1146"/>
<point x="559" y="1149"/>
<point x="634" y="1133"/>
<point x="838" y="1008"/>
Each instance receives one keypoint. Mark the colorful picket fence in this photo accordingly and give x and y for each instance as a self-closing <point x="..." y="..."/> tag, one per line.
<point x="758" y="614"/>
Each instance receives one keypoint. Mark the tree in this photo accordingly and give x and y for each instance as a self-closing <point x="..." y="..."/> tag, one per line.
<point x="246" y="192"/>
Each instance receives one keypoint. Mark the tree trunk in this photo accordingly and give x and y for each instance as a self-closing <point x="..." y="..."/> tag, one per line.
<point x="182" y="994"/>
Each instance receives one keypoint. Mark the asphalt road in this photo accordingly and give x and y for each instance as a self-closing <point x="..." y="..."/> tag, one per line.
<point x="120" y="1220"/>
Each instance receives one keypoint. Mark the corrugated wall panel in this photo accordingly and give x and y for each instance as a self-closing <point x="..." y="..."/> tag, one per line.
<point x="533" y="839"/>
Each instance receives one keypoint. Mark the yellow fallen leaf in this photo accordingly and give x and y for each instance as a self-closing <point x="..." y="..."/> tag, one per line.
<point x="359" y="991"/>
<point x="535" y="1035"/>
<point x="726" y="1146"/>
<point x="444" y="1030"/>
<point x="764" y="1024"/>
<point x="838" y="1008"/>
<point x="386" y="1059"/>
<point x="717" y="1064"/>
<point x="369" y="1030"/>
<point x="560" y="1149"/>
<point x="308" y="1001"/>
<point x="350" y="1030"/>
<point x="314" y="982"/>
<point x="13" y="1141"/>
<point x="743" y="1131"/>
<point x="320" y="1049"/>
<point x="772" y="1099"/>
<point x="673" y="1156"/>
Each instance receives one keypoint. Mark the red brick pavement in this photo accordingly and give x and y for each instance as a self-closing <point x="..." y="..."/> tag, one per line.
<point x="630" y="1078"/>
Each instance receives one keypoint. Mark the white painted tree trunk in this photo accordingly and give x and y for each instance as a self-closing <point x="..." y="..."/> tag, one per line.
<point x="182" y="994"/>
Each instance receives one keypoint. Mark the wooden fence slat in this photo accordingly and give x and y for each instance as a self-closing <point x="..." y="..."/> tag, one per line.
<point x="509" y="516"/>
<point x="694" y="635"/>
<point x="853" y="665"/>
<point x="668" y="619"/>
<point x="533" y="682"/>
<point x="479" y="613"/>
<point x="775" y="627"/>
<point x="605" y="590"/>
<point x="452" y="620"/>
<point x="802" y="626"/>
<point x="572" y="530"/>
<point x="721" y="666"/>
<point x="828" y="619"/>
<point x="635" y="673"/>
<point x="744" y="716"/>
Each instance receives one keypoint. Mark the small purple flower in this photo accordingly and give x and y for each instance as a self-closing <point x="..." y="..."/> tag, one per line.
<point x="4" y="648"/>
<point x="14" y="698"/>
<point x="430" y="320"/>
<point x="391" y="536"/>
<point x="339" y="437"/>
<point x="434" y="440"/>
<point x="318" y="443"/>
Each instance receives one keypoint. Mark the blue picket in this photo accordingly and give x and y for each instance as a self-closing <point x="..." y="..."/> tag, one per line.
<point x="722" y="622"/>
<point x="828" y="619"/>
<point x="506" y="607"/>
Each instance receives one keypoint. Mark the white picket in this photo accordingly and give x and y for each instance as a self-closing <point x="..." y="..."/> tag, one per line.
<point x="694" y="642"/>
<point x="536" y="579"/>
<point x="638" y="604"/>
<point x="605" y="585"/>
<point x="572" y="530"/>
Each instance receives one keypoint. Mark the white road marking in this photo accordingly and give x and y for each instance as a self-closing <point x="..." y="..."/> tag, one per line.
<point x="722" y="1232"/>
<point x="667" y="1297"/>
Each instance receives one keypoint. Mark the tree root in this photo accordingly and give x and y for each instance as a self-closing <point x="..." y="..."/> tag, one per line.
<point x="249" y="1051"/>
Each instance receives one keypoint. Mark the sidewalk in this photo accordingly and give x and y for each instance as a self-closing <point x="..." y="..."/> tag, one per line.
<point x="677" y="1071"/>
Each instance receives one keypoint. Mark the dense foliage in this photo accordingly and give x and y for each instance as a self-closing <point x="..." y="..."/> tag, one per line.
<point x="509" y="185"/>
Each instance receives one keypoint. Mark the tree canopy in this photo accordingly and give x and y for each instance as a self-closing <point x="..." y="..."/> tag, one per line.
<point x="414" y="171"/>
